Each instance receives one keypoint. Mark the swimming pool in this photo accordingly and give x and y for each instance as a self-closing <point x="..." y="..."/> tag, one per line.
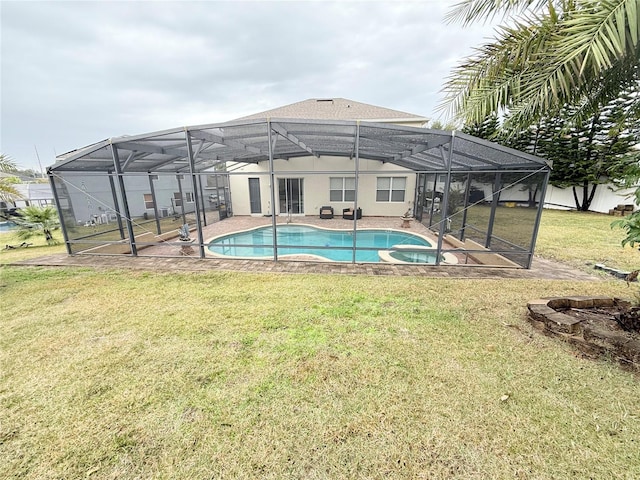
<point x="7" y="226"/>
<point x="416" y="254"/>
<point x="333" y="245"/>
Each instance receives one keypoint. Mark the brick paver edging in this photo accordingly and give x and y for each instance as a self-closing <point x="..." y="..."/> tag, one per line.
<point x="594" y="330"/>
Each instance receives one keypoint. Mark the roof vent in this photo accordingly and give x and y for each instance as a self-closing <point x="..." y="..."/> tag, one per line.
<point x="324" y="100"/>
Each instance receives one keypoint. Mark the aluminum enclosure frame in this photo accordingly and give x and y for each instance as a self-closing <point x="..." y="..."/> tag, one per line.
<point x="195" y="151"/>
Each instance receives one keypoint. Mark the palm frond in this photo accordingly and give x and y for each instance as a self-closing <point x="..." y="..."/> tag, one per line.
<point x="7" y="164"/>
<point x="468" y="11"/>
<point x="558" y="60"/>
<point x="600" y="34"/>
<point x="490" y="81"/>
<point x="8" y="192"/>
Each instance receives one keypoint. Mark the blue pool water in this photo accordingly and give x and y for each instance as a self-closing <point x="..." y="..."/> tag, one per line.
<point x="307" y="240"/>
<point x="415" y="257"/>
<point x="7" y="226"/>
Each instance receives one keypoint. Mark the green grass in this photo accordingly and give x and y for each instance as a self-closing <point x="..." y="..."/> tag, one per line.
<point x="122" y="374"/>
<point x="584" y="238"/>
<point x="38" y="247"/>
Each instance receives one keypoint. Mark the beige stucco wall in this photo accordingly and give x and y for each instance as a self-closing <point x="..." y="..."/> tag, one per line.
<point x="314" y="171"/>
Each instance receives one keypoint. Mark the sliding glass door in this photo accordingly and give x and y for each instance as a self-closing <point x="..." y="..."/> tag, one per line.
<point x="291" y="195"/>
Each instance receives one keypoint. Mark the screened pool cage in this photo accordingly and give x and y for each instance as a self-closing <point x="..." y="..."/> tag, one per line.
<point x="189" y="190"/>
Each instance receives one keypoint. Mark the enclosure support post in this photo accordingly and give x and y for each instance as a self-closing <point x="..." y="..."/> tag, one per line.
<point x="63" y="226"/>
<point x="155" y="203"/>
<point x="355" y="198"/>
<point x="272" y="179"/>
<point x="196" y="196"/>
<point x="181" y="193"/>
<point x="201" y="193"/>
<point x="125" y="203"/>
<point x="536" y="226"/>
<point x="433" y="196"/>
<point x="444" y="205"/>
<point x="466" y="206"/>
<point x="116" y="204"/>
<point x="494" y="206"/>
<point x="416" y="197"/>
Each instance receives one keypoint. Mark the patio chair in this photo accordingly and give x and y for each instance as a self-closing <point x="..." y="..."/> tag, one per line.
<point x="326" y="212"/>
<point x="347" y="213"/>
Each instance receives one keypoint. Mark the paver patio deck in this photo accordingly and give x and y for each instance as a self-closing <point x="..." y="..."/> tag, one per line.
<point x="541" y="269"/>
<point x="165" y="257"/>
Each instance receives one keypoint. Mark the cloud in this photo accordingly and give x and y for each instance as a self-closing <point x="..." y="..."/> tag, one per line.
<point x="77" y="72"/>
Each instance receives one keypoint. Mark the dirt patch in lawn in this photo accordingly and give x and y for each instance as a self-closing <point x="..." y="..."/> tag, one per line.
<point x="598" y="326"/>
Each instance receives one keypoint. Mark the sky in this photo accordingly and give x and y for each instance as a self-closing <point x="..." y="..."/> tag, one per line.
<point x="74" y="73"/>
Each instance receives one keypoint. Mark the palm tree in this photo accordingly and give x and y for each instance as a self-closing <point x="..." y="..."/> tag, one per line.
<point x="554" y="53"/>
<point x="8" y="192"/>
<point x="557" y="53"/>
<point x="35" y="220"/>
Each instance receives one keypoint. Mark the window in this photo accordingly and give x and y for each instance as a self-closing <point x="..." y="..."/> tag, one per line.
<point x="177" y="199"/>
<point x="189" y="196"/>
<point x="391" y="189"/>
<point x="148" y="201"/>
<point x="342" y="189"/>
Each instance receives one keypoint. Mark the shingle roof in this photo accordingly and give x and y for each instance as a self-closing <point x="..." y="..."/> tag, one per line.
<point x="335" y="109"/>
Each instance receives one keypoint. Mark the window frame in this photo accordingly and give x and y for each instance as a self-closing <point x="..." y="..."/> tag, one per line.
<point x="148" y="204"/>
<point x="343" y="190"/>
<point x="390" y="190"/>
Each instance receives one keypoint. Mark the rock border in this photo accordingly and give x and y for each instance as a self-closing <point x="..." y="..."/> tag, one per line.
<point x="545" y="314"/>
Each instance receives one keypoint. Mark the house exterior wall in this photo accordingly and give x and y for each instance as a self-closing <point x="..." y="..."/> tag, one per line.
<point x="38" y="194"/>
<point x="316" y="185"/>
<point x="91" y="196"/>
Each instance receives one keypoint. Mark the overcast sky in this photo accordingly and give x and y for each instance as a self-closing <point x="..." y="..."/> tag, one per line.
<point x="74" y="73"/>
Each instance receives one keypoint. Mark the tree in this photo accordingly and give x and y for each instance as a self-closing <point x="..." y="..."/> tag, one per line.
<point x="8" y="192"/>
<point x="629" y="171"/>
<point x="33" y="220"/>
<point x="489" y="128"/>
<point x="585" y="152"/>
<point x="554" y="53"/>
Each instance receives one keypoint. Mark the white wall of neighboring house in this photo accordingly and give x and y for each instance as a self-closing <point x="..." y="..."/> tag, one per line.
<point x="92" y="198"/>
<point x="316" y="186"/>
<point x="38" y="194"/>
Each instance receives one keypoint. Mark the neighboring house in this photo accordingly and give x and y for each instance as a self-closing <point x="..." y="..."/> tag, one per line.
<point x="386" y="189"/>
<point x="92" y="198"/>
<point x="38" y="194"/>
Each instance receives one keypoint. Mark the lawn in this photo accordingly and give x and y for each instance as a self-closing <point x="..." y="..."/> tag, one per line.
<point x="584" y="238"/>
<point x="120" y="374"/>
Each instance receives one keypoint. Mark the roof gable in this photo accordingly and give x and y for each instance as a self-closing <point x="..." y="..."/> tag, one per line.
<point x="335" y="109"/>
